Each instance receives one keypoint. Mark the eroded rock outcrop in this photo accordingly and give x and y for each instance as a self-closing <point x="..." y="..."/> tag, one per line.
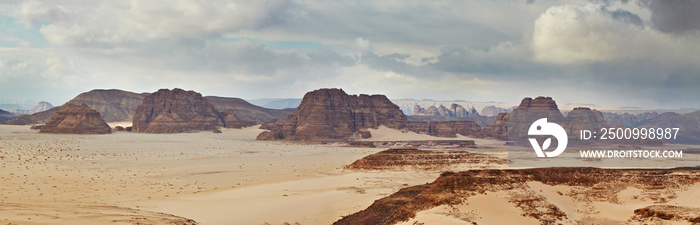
<point x="590" y="184"/>
<point x="331" y="114"/>
<point x="396" y="159"/>
<point x="74" y="119"/>
<point x="328" y="114"/>
<point x="455" y="110"/>
<point x="177" y="110"/>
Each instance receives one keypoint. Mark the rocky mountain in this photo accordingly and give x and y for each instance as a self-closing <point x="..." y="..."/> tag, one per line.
<point x="117" y="105"/>
<point x="36" y="118"/>
<point x="177" y="110"/>
<point x="333" y="114"/>
<point x="114" y="105"/>
<point x="74" y="119"/>
<point x="688" y="123"/>
<point x="5" y="116"/>
<point x="39" y="107"/>
<point x="627" y="119"/>
<point x="454" y="110"/>
<point x="247" y="111"/>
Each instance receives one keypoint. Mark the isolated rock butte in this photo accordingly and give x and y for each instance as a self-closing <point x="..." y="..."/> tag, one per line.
<point x="333" y="114"/>
<point x="515" y="124"/>
<point x="74" y="119"/>
<point x="177" y="110"/>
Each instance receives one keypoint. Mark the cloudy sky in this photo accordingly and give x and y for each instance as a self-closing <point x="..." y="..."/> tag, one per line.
<point x="643" y="53"/>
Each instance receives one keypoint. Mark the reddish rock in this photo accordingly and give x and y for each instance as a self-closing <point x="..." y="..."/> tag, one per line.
<point x="74" y="119"/>
<point x="176" y="111"/>
<point x="328" y="114"/>
<point x="498" y="129"/>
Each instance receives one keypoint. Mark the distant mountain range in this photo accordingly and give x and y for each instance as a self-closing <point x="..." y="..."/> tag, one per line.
<point x="39" y="107"/>
<point x="118" y="105"/>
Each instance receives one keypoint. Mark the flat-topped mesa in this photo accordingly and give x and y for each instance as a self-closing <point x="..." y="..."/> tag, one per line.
<point x="74" y="119"/>
<point x="327" y="114"/>
<point x="177" y="111"/>
<point x="516" y="123"/>
<point x="539" y="103"/>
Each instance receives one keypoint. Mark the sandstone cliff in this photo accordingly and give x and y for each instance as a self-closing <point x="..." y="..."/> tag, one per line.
<point x="328" y="114"/>
<point x="331" y="114"/>
<point x="74" y="119"/>
<point x="177" y="110"/>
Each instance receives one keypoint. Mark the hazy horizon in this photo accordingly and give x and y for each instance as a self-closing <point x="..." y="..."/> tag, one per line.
<point x="608" y="53"/>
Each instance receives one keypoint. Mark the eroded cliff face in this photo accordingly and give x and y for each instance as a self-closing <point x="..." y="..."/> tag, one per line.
<point x="177" y="110"/>
<point x="74" y="119"/>
<point x="332" y="114"/>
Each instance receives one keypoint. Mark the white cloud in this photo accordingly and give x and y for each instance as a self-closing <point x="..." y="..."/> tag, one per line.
<point x="572" y="34"/>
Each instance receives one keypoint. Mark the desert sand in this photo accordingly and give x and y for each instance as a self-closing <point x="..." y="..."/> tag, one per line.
<point x="229" y="178"/>
<point x="226" y="178"/>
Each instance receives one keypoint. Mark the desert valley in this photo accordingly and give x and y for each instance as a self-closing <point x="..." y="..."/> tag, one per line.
<point x="176" y="157"/>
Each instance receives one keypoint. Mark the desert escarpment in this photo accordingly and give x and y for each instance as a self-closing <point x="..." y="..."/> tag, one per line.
<point x="588" y="184"/>
<point x="74" y="119"/>
<point x="408" y="158"/>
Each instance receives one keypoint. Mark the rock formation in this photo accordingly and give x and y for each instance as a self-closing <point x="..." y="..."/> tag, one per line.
<point x="454" y="110"/>
<point x="688" y="123"/>
<point x="517" y="123"/>
<point x="397" y="159"/>
<point x="331" y="114"/>
<point x="36" y="118"/>
<point x="74" y="119"/>
<point x="39" y="107"/>
<point x="246" y="111"/>
<point x="117" y="105"/>
<point x="328" y="114"/>
<point x="498" y="129"/>
<point x="176" y="111"/>
<point x="114" y="105"/>
<point x="5" y="116"/>
<point x="492" y="111"/>
<point x="454" y="189"/>
<point x="583" y="118"/>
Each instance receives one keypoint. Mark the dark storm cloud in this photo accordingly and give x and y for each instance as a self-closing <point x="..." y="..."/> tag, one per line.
<point x="675" y="16"/>
<point x="627" y="17"/>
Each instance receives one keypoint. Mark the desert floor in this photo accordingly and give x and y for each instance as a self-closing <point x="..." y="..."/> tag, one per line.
<point x="226" y="178"/>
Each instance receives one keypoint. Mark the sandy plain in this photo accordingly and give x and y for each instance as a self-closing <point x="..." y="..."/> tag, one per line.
<point x="227" y="178"/>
